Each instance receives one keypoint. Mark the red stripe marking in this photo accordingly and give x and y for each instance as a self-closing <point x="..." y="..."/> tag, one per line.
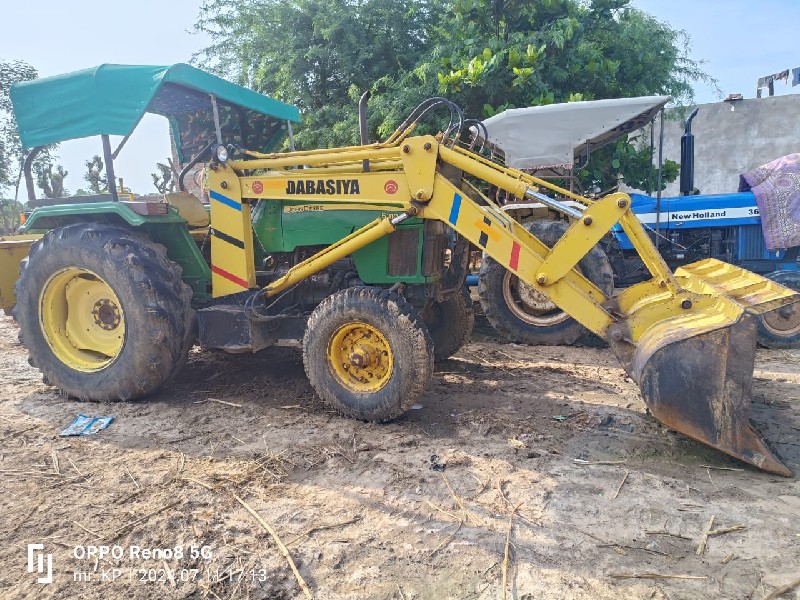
<point x="514" y="262"/>
<point x="230" y="277"/>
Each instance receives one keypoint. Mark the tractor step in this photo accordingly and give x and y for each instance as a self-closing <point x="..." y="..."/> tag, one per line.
<point x="226" y="326"/>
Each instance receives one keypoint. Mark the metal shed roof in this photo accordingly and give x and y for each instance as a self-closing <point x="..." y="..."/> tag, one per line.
<point x="556" y="134"/>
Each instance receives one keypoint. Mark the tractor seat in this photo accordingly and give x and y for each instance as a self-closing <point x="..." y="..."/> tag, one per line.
<point x="190" y="207"/>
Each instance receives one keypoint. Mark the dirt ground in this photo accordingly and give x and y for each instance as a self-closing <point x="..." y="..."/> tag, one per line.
<point x="425" y="507"/>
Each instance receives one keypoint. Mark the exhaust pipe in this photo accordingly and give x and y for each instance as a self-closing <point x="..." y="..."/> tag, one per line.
<point x="362" y="125"/>
<point x="687" y="156"/>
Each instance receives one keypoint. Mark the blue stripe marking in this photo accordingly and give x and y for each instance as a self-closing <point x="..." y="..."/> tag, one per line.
<point x="225" y="200"/>
<point x="454" y="210"/>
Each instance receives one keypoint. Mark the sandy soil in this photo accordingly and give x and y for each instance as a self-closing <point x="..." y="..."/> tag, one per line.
<point x="418" y="508"/>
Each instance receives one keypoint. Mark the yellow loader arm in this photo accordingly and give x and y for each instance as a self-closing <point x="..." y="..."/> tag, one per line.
<point x="687" y="338"/>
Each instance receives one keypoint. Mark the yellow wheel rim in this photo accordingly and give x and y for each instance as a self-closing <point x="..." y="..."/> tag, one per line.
<point x="360" y="357"/>
<point x="82" y="319"/>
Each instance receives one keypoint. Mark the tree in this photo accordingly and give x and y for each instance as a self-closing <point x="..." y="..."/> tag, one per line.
<point x="521" y="53"/>
<point x="9" y="215"/>
<point x="11" y="152"/>
<point x="98" y="182"/>
<point x="487" y="55"/>
<point x="628" y="159"/>
<point x="51" y="182"/>
<point x="166" y="180"/>
<point x="318" y="54"/>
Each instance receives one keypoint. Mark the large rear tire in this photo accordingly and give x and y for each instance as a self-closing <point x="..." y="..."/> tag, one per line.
<point x="450" y="324"/>
<point x="367" y="353"/>
<point x="780" y="329"/>
<point x="520" y="313"/>
<point x="103" y="312"/>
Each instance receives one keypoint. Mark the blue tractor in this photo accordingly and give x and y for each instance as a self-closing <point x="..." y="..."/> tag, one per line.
<point x="549" y="141"/>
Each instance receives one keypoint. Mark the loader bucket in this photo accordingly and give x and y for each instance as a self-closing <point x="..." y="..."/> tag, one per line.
<point x="695" y="371"/>
<point x="13" y="248"/>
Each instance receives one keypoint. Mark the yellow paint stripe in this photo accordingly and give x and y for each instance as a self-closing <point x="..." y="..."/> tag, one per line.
<point x="487" y="229"/>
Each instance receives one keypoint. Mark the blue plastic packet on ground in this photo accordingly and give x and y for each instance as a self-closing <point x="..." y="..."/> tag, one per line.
<point x="83" y="425"/>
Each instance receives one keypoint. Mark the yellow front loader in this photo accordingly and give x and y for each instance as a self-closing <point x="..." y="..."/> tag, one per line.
<point x="688" y="338"/>
<point x="360" y="252"/>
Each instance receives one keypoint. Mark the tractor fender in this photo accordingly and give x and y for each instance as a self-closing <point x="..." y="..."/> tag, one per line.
<point x="168" y="229"/>
<point x="46" y="218"/>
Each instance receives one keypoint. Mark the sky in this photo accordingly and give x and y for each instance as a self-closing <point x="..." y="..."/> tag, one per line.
<point x="740" y="40"/>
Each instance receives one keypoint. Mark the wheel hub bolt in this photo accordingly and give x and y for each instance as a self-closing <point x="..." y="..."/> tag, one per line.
<point x="360" y="357"/>
<point x="106" y="314"/>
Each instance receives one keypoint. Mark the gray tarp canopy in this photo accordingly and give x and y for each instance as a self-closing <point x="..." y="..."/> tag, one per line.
<point x="557" y="134"/>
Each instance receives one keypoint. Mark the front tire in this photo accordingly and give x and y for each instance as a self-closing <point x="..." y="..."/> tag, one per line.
<point x="520" y="313"/>
<point x="103" y="312"/>
<point x="450" y="324"/>
<point x="367" y="353"/>
<point x="780" y="329"/>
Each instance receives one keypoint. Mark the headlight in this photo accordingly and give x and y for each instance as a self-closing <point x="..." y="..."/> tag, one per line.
<point x="221" y="153"/>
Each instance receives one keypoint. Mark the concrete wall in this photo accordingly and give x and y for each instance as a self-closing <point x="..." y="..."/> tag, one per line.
<point x="731" y="142"/>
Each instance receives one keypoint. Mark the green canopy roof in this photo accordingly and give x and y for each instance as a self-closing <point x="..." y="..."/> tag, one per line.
<point x="111" y="99"/>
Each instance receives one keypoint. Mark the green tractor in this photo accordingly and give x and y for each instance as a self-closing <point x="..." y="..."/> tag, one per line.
<point x="111" y="291"/>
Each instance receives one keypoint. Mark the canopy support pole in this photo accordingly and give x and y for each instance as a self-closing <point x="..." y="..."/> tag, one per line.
<point x="652" y="152"/>
<point x="291" y="135"/>
<point x="217" y="127"/>
<point x="109" y="159"/>
<point x="659" y="180"/>
<point x="26" y="170"/>
<point x="121" y="146"/>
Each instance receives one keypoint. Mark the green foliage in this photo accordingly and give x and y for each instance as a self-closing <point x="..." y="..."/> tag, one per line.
<point x="485" y="55"/>
<point x="98" y="182"/>
<point x="627" y="160"/>
<point x="320" y="55"/>
<point x="527" y="53"/>
<point x="9" y="215"/>
<point x="166" y="179"/>
<point x="11" y="152"/>
<point x="51" y="182"/>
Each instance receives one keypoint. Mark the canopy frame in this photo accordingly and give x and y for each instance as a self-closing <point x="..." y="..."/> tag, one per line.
<point x="112" y="99"/>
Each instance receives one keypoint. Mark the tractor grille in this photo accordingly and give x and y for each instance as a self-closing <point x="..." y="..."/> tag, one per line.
<point x="403" y="251"/>
<point x="751" y="243"/>
<point x="437" y="241"/>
